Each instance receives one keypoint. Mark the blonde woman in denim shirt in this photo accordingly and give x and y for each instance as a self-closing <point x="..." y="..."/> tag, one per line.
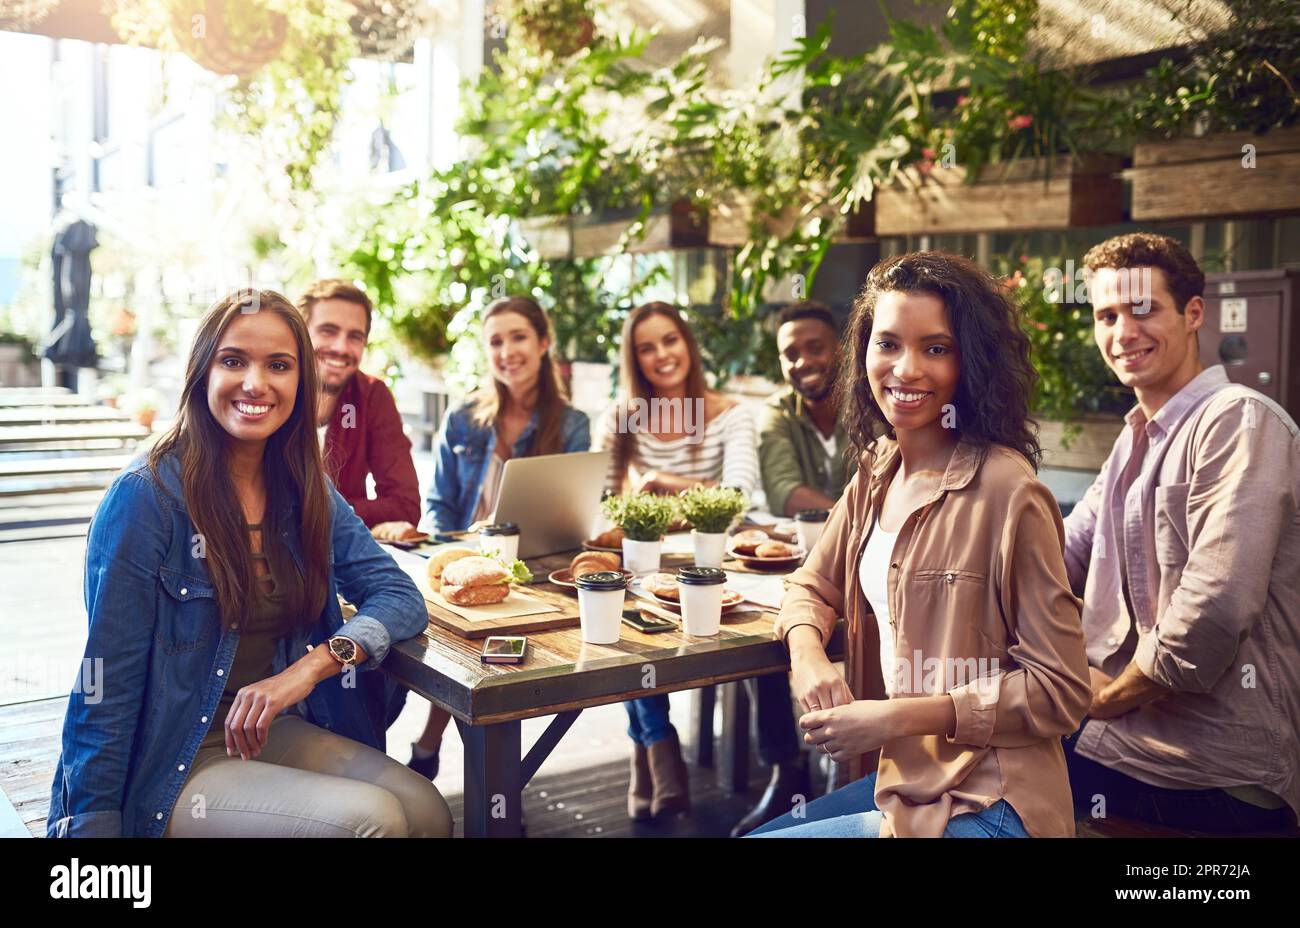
<point x="524" y="411"/>
<point x="237" y="702"/>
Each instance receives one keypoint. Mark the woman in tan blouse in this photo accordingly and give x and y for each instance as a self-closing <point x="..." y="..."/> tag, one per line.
<point x="964" y="652"/>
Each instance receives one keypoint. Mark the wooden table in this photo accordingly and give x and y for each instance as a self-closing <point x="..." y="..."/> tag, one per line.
<point x="561" y="676"/>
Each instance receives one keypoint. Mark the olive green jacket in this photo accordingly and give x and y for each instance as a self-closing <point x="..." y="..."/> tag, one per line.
<point x="790" y="454"/>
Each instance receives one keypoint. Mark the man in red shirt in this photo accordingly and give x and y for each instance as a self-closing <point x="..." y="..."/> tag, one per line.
<point x="360" y="427"/>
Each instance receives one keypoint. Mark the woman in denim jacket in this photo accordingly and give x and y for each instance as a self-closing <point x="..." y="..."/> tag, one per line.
<point x="234" y="699"/>
<point x="524" y="411"/>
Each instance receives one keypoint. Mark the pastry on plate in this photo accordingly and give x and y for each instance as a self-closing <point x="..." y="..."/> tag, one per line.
<point x="662" y="585"/>
<point x="592" y="561"/>
<point x="747" y="542"/>
<point x="776" y="549"/>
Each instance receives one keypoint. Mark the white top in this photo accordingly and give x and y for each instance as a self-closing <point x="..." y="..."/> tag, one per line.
<point x="320" y="434"/>
<point x="873" y="575"/>
<point x="829" y="444"/>
<point x="728" y="452"/>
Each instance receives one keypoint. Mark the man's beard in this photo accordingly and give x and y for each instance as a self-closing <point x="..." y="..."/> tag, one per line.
<point x="827" y="388"/>
<point x="333" y="389"/>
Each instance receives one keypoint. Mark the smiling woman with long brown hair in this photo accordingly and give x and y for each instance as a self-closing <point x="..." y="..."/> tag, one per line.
<point x="240" y="702"/>
<point x="964" y="652"/>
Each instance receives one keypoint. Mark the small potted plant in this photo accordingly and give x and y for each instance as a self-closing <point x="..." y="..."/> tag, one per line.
<point x="711" y="512"/>
<point x="142" y="405"/>
<point x="643" y="517"/>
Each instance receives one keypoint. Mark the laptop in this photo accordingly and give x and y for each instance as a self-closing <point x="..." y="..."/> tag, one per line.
<point x="553" y="498"/>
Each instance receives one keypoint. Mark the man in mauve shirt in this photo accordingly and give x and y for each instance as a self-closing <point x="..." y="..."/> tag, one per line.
<point x="360" y="427"/>
<point x="1186" y="551"/>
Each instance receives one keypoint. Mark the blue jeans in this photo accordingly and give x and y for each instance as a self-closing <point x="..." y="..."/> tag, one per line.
<point x="850" y="812"/>
<point x="648" y="719"/>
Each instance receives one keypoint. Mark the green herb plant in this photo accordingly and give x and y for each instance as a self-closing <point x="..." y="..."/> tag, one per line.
<point x="641" y="516"/>
<point x="711" y="510"/>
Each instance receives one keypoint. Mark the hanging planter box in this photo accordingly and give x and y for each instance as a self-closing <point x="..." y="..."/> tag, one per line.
<point x="682" y="225"/>
<point x="1094" y="437"/>
<point x="550" y="236"/>
<point x="729" y="222"/>
<point x="1211" y="177"/>
<point x="1028" y="194"/>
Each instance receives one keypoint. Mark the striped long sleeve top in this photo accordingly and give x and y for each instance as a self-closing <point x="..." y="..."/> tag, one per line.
<point x="727" y="453"/>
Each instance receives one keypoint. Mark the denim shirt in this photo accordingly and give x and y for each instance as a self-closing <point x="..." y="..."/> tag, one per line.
<point x="466" y="449"/>
<point x="155" y="625"/>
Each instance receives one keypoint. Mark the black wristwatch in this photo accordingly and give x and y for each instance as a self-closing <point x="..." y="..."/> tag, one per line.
<point x="344" y="650"/>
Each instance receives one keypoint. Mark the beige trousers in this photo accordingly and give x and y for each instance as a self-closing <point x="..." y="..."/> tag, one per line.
<point x="307" y="782"/>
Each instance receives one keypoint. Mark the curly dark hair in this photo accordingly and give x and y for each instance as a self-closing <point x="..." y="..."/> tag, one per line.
<point x="1146" y="249"/>
<point x="997" y="379"/>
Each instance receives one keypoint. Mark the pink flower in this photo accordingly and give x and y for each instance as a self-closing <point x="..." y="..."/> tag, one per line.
<point x="1020" y="122"/>
<point x="928" y="153"/>
<point x="926" y="166"/>
<point x="1041" y="326"/>
<point x="961" y="101"/>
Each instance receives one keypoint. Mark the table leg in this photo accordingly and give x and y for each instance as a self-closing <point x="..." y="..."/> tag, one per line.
<point x="493" y="793"/>
<point x="733" y="775"/>
<point x="702" y="702"/>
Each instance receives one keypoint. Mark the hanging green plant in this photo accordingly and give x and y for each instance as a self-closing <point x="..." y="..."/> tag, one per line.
<point x="559" y="27"/>
<point x="290" y="57"/>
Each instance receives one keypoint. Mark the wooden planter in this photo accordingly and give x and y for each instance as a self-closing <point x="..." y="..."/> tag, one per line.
<point x="1029" y="194"/>
<point x="1207" y="177"/>
<point x="1088" y="449"/>
<point x="682" y="225"/>
<point x="729" y="223"/>
<point x="550" y="236"/>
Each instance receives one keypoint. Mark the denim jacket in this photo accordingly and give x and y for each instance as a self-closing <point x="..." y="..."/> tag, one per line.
<point x="155" y="625"/>
<point x="464" y="452"/>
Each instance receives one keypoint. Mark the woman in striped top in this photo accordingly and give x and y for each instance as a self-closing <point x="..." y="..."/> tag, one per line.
<point x="669" y="432"/>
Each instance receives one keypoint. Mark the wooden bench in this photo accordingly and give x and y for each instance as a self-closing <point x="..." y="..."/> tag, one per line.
<point x="59" y="415"/>
<point x="69" y="435"/>
<point x="48" y="467"/>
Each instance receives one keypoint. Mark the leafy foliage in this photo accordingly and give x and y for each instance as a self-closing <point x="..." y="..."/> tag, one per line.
<point x="641" y="516"/>
<point x="1242" y="78"/>
<point x="711" y="509"/>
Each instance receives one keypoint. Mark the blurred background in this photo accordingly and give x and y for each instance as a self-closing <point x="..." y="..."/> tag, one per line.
<point x="725" y="156"/>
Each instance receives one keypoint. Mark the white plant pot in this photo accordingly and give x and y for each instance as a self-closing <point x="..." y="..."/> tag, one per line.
<point x="641" y="557"/>
<point x="710" y="547"/>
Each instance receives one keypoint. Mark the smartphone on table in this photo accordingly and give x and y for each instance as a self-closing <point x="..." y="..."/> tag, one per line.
<point x="504" y="649"/>
<point x="646" y="623"/>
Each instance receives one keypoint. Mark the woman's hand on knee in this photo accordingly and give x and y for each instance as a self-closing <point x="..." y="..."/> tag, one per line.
<point x="256" y="706"/>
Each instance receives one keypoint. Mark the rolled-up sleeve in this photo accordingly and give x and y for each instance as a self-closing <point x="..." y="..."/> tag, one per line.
<point x="1238" y="501"/>
<point x="389" y="605"/>
<point x="1047" y="692"/>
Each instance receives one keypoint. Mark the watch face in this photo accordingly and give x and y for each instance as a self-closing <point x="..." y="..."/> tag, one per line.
<point x="344" y="649"/>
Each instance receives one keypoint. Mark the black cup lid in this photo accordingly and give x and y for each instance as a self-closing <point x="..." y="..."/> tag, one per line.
<point x="601" y="580"/>
<point x="500" y="528"/>
<point x="812" y="515"/>
<point x="701" y="576"/>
